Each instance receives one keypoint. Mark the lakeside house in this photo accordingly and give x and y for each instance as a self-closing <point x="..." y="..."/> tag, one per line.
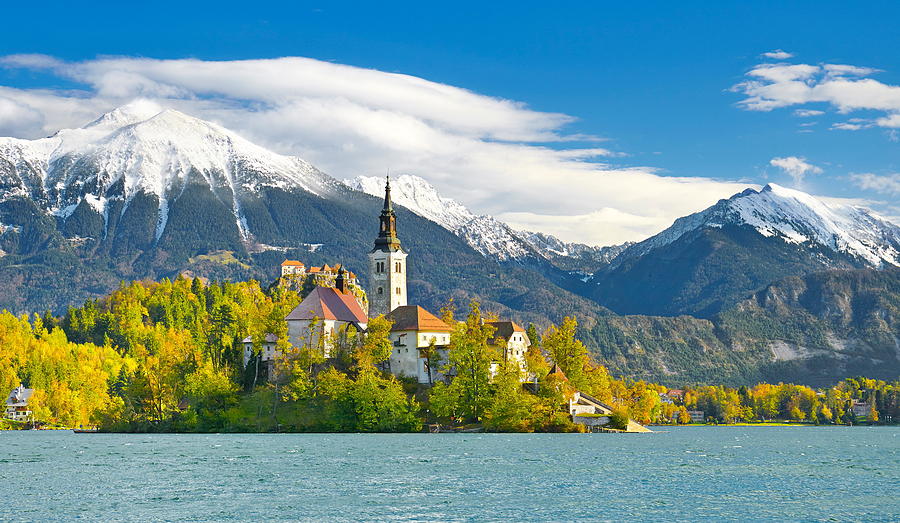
<point x="697" y="416"/>
<point x="267" y="353"/>
<point x="860" y="409"/>
<point x="17" y="408"/>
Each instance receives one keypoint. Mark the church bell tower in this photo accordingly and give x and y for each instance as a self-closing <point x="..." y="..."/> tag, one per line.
<point x="387" y="263"/>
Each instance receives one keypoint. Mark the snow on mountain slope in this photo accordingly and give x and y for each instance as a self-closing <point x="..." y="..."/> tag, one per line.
<point x="795" y="217"/>
<point x="418" y="196"/>
<point x="484" y="233"/>
<point x="149" y="149"/>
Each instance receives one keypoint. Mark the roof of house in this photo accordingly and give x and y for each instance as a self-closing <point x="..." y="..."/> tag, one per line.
<point x="505" y="329"/>
<point x="270" y="338"/>
<point x="415" y="318"/>
<point x="293" y="263"/>
<point x="19" y="397"/>
<point x="555" y="370"/>
<point x="327" y="303"/>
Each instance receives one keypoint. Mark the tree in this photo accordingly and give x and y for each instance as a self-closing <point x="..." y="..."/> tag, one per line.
<point x="566" y="351"/>
<point x="469" y="359"/>
<point x="873" y="414"/>
<point x="510" y="409"/>
<point x="683" y="417"/>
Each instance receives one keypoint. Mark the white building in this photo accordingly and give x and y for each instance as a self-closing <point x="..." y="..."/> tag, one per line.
<point x="292" y="267"/>
<point x="323" y="312"/>
<point x="267" y="352"/>
<point x="511" y="341"/>
<point x="387" y="264"/>
<point x="412" y="335"/>
<point x="17" y="404"/>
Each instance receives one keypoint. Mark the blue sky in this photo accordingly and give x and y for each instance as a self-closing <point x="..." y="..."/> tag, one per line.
<point x="655" y="82"/>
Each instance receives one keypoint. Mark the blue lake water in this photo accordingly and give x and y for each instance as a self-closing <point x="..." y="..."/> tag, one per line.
<point x="681" y="474"/>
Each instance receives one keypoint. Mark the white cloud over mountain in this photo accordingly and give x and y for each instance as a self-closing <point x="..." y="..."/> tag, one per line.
<point x="884" y="184"/>
<point x="487" y="152"/>
<point x="797" y="168"/>
<point x="846" y="88"/>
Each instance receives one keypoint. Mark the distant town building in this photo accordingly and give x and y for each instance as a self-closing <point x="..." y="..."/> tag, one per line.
<point x="860" y="409"/>
<point x="416" y="331"/>
<point x="697" y="416"/>
<point x="292" y="267"/>
<point x="17" y="404"/>
<point x="675" y="395"/>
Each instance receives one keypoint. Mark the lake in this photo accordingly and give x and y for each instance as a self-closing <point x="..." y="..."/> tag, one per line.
<point x="681" y="473"/>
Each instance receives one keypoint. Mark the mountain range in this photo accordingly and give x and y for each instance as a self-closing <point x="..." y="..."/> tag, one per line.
<point x="766" y="284"/>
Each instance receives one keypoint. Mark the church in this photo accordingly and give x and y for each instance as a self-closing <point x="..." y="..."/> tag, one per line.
<point x="420" y="339"/>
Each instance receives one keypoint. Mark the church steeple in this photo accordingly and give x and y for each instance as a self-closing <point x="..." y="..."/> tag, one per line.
<point x="387" y="263"/>
<point x="387" y="240"/>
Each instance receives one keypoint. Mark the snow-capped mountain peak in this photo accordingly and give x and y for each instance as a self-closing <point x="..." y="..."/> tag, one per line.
<point x="795" y="217"/>
<point x="147" y="149"/>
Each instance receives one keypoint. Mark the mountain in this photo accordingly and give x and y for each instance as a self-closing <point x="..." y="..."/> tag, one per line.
<point x="148" y="192"/>
<point x="486" y="234"/>
<point x="576" y="257"/>
<point x="709" y="260"/>
<point x="812" y="329"/>
<point x="786" y="287"/>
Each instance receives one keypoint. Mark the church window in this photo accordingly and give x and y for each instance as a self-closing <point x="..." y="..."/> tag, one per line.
<point x="398" y="291"/>
<point x="380" y="290"/>
<point x="398" y="267"/>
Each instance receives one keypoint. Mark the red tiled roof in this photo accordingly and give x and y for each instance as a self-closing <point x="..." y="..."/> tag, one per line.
<point x="415" y="318"/>
<point x="327" y="303"/>
<point x="292" y="263"/>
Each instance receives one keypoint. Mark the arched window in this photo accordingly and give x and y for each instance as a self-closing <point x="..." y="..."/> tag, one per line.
<point x="398" y="267"/>
<point x="380" y="290"/>
<point x="398" y="291"/>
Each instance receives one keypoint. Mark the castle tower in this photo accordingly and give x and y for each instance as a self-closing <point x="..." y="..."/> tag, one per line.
<point x="387" y="264"/>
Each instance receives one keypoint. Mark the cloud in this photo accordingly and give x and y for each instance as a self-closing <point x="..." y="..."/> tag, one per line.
<point x="796" y="167"/>
<point x="804" y="113"/>
<point x="495" y="155"/>
<point x="778" y="54"/>
<point x="891" y="121"/>
<point x="17" y="117"/>
<point x="849" y="126"/>
<point x="845" y="87"/>
<point x="884" y="184"/>
<point x="619" y="227"/>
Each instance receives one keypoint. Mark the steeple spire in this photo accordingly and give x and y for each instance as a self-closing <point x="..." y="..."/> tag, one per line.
<point x="387" y="233"/>
<point x="387" y="194"/>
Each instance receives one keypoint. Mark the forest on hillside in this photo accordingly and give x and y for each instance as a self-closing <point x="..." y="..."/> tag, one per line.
<point x="166" y="356"/>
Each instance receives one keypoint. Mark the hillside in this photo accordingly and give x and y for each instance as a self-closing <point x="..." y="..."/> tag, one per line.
<point x="812" y="329"/>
